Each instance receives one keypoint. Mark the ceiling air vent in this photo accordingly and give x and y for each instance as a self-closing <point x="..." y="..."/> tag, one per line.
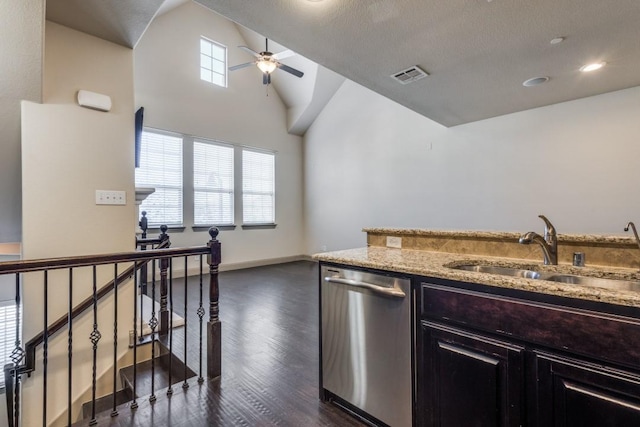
<point x="410" y="75"/>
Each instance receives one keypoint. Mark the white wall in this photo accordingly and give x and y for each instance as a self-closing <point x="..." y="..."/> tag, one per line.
<point x="68" y="152"/>
<point x="371" y="162"/>
<point x="168" y="86"/>
<point x="21" y="32"/>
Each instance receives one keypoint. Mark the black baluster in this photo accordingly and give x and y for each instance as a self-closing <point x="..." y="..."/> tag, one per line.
<point x="94" y="337"/>
<point x="153" y="323"/>
<point x="170" y="390"/>
<point x="70" y="347"/>
<point x="45" y="349"/>
<point x="200" y="315"/>
<point x="17" y="355"/>
<point x="114" y="411"/>
<point x="134" y="403"/>
<point x="143" y="223"/>
<point x="141" y="338"/>
<point x="185" y="384"/>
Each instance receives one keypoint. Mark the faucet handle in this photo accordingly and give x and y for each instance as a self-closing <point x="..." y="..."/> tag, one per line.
<point x="549" y="229"/>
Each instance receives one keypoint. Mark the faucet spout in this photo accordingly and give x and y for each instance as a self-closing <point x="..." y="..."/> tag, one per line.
<point x="548" y="243"/>
<point x="635" y="232"/>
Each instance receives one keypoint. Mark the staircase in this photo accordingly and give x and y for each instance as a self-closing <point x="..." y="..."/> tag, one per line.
<point x="149" y="376"/>
<point x="51" y="393"/>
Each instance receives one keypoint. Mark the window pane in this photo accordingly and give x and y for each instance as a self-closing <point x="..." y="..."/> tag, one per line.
<point x="205" y="75"/>
<point x="258" y="186"/>
<point x="217" y="79"/>
<point x="213" y="57"/>
<point x="205" y="47"/>
<point x="218" y="52"/>
<point x="213" y="183"/>
<point x="206" y="62"/>
<point x="8" y="319"/>
<point x="161" y="168"/>
<point x="217" y="66"/>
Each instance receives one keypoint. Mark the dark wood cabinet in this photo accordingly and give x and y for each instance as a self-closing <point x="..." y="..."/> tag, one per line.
<point x="569" y="392"/>
<point x="485" y="359"/>
<point x="469" y="380"/>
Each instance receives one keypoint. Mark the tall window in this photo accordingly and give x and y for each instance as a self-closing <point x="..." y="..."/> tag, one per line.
<point x="258" y="187"/>
<point x="213" y="62"/>
<point x="8" y="318"/>
<point x="161" y="168"/>
<point x="212" y="184"/>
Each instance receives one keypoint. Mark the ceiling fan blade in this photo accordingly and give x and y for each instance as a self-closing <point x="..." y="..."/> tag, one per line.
<point x="290" y="70"/>
<point x="249" y="51"/>
<point x="237" y="67"/>
<point x="265" y="79"/>
<point x="284" y="54"/>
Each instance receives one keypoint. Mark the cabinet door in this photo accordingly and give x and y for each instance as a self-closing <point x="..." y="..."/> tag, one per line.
<point x="466" y="379"/>
<point x="568" y="392"/>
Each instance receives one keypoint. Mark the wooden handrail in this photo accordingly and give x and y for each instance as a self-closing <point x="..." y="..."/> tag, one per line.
<point x="26" y="266"/>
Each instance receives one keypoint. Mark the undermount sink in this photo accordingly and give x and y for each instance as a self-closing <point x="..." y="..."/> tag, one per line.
<point x="599" y="282"/>
<point x="503" y="271"/>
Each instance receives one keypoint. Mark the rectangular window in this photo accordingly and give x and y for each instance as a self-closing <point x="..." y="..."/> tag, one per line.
<point x="8" y="317"/>
<point x="258" y="187"/>
<point x="161" y="168"/>
<point x="212" y="184"/>
<point x="213" y="62"/>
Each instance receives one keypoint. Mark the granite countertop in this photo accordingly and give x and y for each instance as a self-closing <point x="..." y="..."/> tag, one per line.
<point x="437" y="265"/>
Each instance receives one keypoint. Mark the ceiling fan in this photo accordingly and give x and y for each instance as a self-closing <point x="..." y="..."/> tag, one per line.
<point x="267" y="62"/>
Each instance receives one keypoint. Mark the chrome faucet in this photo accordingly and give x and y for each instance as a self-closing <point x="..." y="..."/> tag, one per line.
<point x="635" y="232"/>
<point x="548" y="243"/>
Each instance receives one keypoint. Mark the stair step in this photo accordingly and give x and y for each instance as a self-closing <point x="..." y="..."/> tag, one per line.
<point x="144" y="376"/>
<point x="143" y="383"/>
<point x="105" y="403"/>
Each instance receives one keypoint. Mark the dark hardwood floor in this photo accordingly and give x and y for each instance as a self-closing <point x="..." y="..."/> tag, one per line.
<point x="269" y="361"/>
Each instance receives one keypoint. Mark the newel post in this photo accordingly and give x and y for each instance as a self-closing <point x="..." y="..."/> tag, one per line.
<point x="164" y="266"/>
<point x="214" y="326"/>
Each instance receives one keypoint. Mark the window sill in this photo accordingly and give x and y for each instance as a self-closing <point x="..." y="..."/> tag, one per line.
<point x="199" y="227"/>
<point x="258" y="226"/>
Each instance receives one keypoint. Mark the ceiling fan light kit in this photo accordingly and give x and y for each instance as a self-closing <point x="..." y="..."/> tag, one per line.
<point x="267" y="62"/>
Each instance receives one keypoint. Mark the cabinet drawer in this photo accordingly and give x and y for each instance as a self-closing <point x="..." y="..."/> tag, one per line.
<point x="602" y="336"/>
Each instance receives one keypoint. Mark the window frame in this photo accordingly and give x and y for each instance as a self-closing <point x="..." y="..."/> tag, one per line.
<point x="272" y="193"/>
<point x="231" y="191"/>
<point x="213" y="59"/>
<point x="154" y="222"/>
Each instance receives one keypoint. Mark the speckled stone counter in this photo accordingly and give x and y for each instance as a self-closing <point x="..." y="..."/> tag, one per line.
<point x="600" y="250"/>
<point x="437" y="264"/>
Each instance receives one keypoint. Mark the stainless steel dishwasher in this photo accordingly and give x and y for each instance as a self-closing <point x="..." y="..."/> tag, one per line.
<point x="366" y="344"/>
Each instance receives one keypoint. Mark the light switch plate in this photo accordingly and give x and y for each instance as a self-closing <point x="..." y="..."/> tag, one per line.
<point x="394" y="242"/>
<point x="111" y="197"/>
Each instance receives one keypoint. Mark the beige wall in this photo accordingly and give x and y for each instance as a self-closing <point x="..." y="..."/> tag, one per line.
<point x="68" y="152"/>
<point x="370" y="162"/>
<point x="21" y="35"/>
<point x="168" y="86"/>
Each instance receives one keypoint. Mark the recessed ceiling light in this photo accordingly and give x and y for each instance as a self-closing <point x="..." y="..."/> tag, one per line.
<point x="593" y="66"/>
<point x="535" y="81"/>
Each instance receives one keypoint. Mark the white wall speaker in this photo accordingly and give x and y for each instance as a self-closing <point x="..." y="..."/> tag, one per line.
<point x="93" y="100"/>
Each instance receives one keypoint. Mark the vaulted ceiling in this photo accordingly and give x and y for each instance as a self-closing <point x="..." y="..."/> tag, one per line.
<point x="477" y="52"/>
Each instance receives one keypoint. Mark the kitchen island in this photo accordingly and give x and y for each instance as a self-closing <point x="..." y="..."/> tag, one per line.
<point x="491" y="349"/>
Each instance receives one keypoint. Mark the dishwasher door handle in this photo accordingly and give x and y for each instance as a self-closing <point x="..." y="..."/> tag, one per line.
<point x="388" y="292"/>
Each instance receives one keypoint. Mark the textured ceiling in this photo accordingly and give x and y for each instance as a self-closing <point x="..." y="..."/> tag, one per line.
<point x="118" y="21"/>
<point x="478" y="52"/>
